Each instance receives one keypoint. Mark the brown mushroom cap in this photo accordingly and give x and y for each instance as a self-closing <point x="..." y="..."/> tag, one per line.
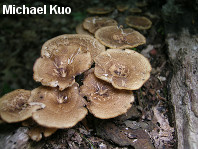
<point x="135" y="10"/>
<point x="36" y="132"/>
<point x="63" y="109"/>
<point x="125" y="69"/>
<point x="99" y="10"/>
<point x="138" y="22"/>
<point x="92" y="24"/>
<point x="115" y="37"/>
<point x="85" y="42"/>
<point x="141" y="4"/>
<point x="122" y="7"/>
<point x="14" y="106"/>
<point x="105" y="101"/>
<point x="80" y="30"/>
<point x="60" y="70"/>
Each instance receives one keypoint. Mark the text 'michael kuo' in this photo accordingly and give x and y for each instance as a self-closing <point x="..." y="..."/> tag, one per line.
<point x="53" y="9"/>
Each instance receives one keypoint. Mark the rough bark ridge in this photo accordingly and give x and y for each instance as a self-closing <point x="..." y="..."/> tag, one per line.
<point x="184" y="87"/>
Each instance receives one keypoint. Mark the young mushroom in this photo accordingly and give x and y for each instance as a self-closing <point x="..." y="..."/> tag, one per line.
<point x="116" y="37"/>
<point x="15" y="106"/>
<point x="138" y="22"/>
<point x="92" y="24"/>
<point x="125" y="69"/>
<point x="64" y="109"/>
<point x="60" y="70"/>
<point x="104" y="100"/>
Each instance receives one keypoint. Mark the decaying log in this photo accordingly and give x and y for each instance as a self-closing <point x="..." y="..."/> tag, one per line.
<point x="183" y="54"/>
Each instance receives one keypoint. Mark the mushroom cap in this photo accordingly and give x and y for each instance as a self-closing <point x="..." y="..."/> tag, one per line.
<point x="125" y="69"/>
<point x="122" y="7"/>
<point x="80" y="30"/>
<point x="60" y="70"/>
<point x="63" y="109"/>
<point x="104" y="100"/>
<point x="36" y="132"/>
<point x="14" y="106"/>
<point x="85" y="42"/>
<point x="141" y="4"/>
<point x="138" y="22"/>
<point x="100" y="10"/>
<point x="92" y="24"/>
<point x="135" y="10"/>
<point x="115" y="37"/>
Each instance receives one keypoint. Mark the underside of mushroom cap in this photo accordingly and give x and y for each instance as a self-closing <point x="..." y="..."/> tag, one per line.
<point x="104" y="100"/>
<point x="125" y="69"/>
<point x="85" y="42"/>
<point x="62" y="67"/>
<point x="138" y="22"/>
<point x="92" y="24"/>
<point x="116" y="37"/>
<point x="14" y="106"/>
<point x="63" y="109"/>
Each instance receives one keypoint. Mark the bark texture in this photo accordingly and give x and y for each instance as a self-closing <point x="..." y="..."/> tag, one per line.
<point x="183" y="54"/>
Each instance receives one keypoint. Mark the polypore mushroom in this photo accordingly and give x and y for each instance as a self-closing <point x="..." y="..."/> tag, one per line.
<point x="138" y="22"/>
<point x="15" y="107"/>
<point x="105" y="101"/>
<point x="63" y="109"/>
<point x="99" y="10"/>
<point x="80" y="30"/>
<point x="60" y="70"/>
<point x="92" y="24"/>
<point x="84" y="42"/>
<point x="116" y="37"/>
<point x="125" y="69"/>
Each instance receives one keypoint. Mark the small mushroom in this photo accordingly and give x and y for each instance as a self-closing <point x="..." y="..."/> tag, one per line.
<point x="122" y="7"/>
<point x="116" y="37"/>
<point x="64" y="109"/>
<point x="141" y="4"/>
<point x="60" y="70"/>
<point x="99" y="10"/>
<point x="125" y="69"/>
<point x="80" y="30"/>
<point x="80" y="41"/>
<point x="138" y="22"/>
<point x="36" y="132"/>
<point x="135" y="10"/>
<point x="15" y="107"/>
<point x="92" y="24"/>
<point x="104" y="100"/>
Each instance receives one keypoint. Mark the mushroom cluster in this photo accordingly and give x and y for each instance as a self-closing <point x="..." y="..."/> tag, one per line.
<point x="60" y="102"/>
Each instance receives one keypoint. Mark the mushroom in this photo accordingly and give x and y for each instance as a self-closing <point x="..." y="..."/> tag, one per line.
<point x="138" y="22"/>
<point x="60" y="70"/>
<point x="122" y="7"/>
<point x="125" y="69"/>
<point x="85" y="42"/>
<point x="15" y="107"/>
<point x="105" y="101"/>
<point x="64" y="109"/>
<point x="99" y="10"/>
<point x="135" y="10"/>
<point x="92" y="24"/>
<point x="80" y="30"/>
<point x="116" y="37"/>
<point x="36" y="132"/>
<point x="141" y="4"/>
